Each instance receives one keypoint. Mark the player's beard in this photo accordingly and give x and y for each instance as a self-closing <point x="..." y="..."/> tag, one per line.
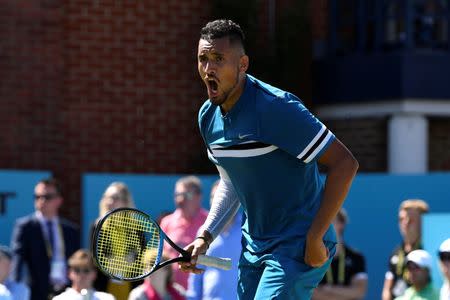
<point x="221" y="99"/>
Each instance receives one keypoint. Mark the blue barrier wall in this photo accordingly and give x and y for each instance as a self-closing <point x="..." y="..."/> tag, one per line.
<point x="372" y="205"/>
<point x="151" y="193"/>
<point x="373" y="209"/>
<point x="436" y="229"/>
<point x="20" y="202"/>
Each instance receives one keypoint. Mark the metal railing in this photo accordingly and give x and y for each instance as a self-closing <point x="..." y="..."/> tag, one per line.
<point x="365" y="26"/>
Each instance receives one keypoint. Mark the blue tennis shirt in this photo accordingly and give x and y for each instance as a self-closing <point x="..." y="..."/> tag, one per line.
<point x="268" y="144"/>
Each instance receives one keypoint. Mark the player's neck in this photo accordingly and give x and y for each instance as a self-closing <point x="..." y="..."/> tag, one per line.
<point x="234" y="96"/>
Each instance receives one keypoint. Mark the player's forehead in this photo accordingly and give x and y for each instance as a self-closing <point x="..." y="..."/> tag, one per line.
<point x="215" y="46"/>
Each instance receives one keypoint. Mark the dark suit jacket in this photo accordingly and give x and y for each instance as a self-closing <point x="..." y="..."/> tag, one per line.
<point x="30" y="253"/>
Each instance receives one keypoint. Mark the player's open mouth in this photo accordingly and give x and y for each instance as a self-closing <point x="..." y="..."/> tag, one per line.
<point x="212" y="86"/>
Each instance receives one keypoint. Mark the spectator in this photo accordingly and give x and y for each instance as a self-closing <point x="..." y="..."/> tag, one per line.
<point x="418" y="264"/>
<point x="116" y="195"/>
<point x="17" y="290"/>
<point x="82" y="275"/>
<point x="346" y="279"/>
<point x="182" y="225"/>
<point x="41" y="243"/>
<point x="410" y="222"/>
<point x="214" y="283"/>
<point x="159" y="285"/>
<point x="444" y="263"/>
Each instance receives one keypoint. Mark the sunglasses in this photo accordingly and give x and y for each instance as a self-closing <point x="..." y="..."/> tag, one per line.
<point x="187" y="195"/>
<point x="444" y="256"/>
<point x="45" y="197"/>
<point x="81" y="270"/>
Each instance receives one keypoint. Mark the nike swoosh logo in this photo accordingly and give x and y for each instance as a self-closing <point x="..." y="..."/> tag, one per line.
<point x="243" y="136"/>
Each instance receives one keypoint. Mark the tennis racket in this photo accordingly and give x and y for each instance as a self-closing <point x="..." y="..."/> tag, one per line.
<point x="128" y="245"/>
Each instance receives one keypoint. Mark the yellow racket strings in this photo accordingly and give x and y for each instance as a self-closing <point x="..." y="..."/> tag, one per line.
<point x="128" y="244"/>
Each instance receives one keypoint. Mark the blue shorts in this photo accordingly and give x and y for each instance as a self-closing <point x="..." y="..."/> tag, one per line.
<point x="279" y="275"/>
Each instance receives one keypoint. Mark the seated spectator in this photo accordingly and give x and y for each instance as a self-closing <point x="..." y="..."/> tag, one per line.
<point x="444" y="263"/>
<point x="418" y="265"/>
<point x="82" y="274"/>
<point x="346" y="278"/>
<point x="15" y="290"/>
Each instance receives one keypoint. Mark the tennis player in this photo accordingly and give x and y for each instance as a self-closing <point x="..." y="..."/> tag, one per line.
<point x="267" y="146"/>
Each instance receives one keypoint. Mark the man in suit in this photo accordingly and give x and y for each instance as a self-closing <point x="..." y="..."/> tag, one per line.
<point x="42" y="242"/>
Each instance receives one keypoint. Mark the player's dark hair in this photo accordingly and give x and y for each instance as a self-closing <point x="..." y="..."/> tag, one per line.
<point x="223" y="28"/>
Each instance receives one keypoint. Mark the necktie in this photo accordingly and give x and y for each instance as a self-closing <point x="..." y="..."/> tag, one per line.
<point x="51" y="238"/>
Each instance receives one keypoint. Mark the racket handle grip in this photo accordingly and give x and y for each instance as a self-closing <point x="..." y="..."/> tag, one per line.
<point x="216" y="262"/>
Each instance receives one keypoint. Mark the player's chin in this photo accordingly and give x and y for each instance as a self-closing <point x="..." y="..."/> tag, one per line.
<point x="216" y="100"/>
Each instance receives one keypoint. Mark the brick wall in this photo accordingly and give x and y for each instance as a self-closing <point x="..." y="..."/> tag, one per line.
<point x="319" y="22"/>
<point x="107" y="87"/>
<point x="366" y="138"/>
<point x="439" y="144"/>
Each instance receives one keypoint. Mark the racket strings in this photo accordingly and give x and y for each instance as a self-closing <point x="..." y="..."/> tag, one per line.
<point x="128" y="245"/>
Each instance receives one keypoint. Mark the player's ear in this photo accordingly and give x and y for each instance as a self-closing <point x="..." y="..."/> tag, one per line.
<point x="243" y="63"/>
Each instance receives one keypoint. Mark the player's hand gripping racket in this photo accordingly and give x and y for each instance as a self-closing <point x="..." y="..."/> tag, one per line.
<point x="128" y="245"/>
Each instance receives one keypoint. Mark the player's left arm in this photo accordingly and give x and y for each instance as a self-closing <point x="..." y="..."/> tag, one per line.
<point x="341" y="169"/>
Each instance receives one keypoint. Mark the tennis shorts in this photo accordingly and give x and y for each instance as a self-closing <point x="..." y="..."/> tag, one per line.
<point x="282" y="274"/>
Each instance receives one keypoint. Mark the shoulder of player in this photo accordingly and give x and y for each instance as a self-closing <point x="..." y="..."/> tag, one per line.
<point x="272" y="101"/>
<point x="205" y="114"/>
<point x="206" y="107"/>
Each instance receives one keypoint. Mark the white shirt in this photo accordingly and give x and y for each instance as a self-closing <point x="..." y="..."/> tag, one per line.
<point x="4" y="293"/>
<point x="71" y="294"/>
<point x="445" y="291"/>
<point x="58" y="265"/>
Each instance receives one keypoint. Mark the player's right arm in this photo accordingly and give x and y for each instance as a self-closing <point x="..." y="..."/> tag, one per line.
<point x="224" y="206"/>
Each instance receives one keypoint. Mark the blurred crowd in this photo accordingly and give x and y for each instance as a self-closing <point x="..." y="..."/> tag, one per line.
<point x="45" y="260"/>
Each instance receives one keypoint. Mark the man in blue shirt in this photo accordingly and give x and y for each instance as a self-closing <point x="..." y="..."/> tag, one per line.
<point x="266" y="146"/>
<point x="16" y="290"/>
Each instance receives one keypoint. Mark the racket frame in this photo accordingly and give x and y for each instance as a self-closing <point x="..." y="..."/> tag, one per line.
<point x="185" y="256"/>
